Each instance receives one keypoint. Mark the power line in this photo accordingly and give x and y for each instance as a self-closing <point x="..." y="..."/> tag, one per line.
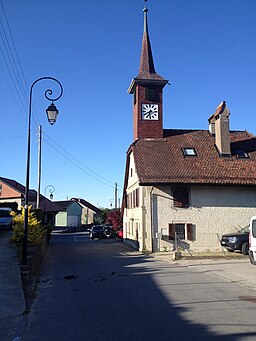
<point x="78" y="161"/>
<point x="78" y="164"/>
<point x="18" y="87"/>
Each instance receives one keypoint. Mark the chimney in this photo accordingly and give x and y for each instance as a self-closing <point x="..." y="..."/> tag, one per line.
<point x="219" y="127"/>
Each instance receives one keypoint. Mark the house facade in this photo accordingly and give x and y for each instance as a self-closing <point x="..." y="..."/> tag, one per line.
<point x="89" y="211"/>
<point x="12" y="191"/>
<point x="69" y="214"/>
<point x="183" y="187"/>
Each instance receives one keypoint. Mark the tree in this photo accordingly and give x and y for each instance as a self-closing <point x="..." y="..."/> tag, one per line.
<point x="113" y="217"/>
<point x="102" y="216"/>
<point x="35" y="229"/>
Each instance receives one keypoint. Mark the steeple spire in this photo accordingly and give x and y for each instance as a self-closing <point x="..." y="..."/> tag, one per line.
<point x="146" y="58"/>
<point x="147" y="68"/>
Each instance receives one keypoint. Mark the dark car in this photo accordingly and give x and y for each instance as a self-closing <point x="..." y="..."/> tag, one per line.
<point x="237" y="241"/>
<point x="97" y="231"/>
<point x="5" y="217"/>
<point x="108" y="231"/>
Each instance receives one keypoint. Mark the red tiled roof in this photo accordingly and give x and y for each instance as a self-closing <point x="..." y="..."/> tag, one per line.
<point x="44" y="203"/>
<point x="87" y="204"/>
<point x="162" y="160"/>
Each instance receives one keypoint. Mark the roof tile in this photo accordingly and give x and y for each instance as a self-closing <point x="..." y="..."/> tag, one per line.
<point x="162" y="160"/>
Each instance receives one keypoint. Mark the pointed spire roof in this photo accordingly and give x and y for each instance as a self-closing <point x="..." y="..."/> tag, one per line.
<point x="146" y="57"/>
<point x="147" y="69"/>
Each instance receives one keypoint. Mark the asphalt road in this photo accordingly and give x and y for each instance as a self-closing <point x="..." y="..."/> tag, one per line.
<point x="101" y="290"/>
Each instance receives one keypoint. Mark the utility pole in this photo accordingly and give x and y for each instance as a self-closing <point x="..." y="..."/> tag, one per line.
<point x="116" y="195"/>
<point x="39" y="164"/>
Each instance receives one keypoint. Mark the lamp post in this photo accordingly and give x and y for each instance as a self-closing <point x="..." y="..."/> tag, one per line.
<point x="51" y="191"/>
<point x="52" y="113"/>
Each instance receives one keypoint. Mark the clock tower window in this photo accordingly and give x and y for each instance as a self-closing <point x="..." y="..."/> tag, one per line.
<point x="151" y="94"/>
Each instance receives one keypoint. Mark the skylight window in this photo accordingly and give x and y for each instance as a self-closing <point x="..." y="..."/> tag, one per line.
<point x="241" y="154"/>
<point x="189" y="152"/>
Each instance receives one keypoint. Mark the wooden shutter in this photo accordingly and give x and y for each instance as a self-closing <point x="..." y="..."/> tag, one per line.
<point x="137" y="197"/>
<point x="190" y="234"/>
<point x="171" y="231"/>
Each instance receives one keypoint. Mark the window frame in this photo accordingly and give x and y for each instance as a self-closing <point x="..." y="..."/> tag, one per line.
<point x="238" y="153"/>
<point x="186" y="153"/>
<point x="178" y="202"/>
<point x="188" y="231"/>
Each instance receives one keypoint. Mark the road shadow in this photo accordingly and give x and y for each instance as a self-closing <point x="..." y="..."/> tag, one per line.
<point x="114" y="293"/>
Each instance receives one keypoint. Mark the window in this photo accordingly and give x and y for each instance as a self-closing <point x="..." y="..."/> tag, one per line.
<point x="0" y="190"/>
<point x="133" y="199"/>
<point x="189" y="151"/>
<point x="129" y="200"/>
<point x="182" y="231"/>
<point x="241" y="154"/>
<point x="254" y="228"/>
<point x="151" y="94"/>
<point x="181" y="197"/>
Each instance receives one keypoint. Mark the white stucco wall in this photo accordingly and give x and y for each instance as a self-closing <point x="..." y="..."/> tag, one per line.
<point x="133" y="218"/>
<point x="213" y="212"/>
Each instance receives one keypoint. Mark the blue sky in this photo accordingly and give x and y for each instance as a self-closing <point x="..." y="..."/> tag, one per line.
<point x="205" y="48"/>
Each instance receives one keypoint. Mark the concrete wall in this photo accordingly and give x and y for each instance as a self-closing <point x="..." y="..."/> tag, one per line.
<point x="74" y="209"/>
<point x="213" y="212"/>
<point x="87" y="216"/>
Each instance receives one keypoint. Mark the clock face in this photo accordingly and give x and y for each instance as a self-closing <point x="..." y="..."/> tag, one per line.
<point x="150" y="112"/>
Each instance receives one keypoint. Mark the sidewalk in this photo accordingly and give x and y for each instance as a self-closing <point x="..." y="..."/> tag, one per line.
<point x="12" y="301"/>
<point x="232" y="268"/>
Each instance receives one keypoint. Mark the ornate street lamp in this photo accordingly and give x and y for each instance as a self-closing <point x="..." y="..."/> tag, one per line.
<point x="50" y="190"/>
<point x="52" y="113"/>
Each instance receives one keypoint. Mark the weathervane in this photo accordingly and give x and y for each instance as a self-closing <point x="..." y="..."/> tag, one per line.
<point x="145" y="6"/>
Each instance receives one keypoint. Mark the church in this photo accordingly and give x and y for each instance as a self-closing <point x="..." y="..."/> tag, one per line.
<point x="183" y="187"/>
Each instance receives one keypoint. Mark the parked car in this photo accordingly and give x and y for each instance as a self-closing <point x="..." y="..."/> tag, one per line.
<point x="252" y="240"/>
<point x="237" y="241"/>
<point x="97" y="231"/>
<point x="5" y="217"/>
<point x="108" y="231"/>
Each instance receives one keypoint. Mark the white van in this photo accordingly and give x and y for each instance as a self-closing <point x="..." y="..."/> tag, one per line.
<point x="252" y="240"/>
<point x="5" y="217"/>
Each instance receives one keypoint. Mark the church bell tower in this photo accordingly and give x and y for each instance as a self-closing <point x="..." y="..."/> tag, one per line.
<point x="147" y="90"/>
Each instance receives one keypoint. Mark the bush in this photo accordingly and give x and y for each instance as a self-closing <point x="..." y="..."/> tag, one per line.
<point x="35" y="229"/>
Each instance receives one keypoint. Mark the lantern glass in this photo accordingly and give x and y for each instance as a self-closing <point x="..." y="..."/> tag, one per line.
<point x="52" y="113"/>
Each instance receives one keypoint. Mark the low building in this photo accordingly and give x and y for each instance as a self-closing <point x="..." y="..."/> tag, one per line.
<point x="70" y="213"/>
<point x="89" y="211"/>
<point x="12" y="191"/>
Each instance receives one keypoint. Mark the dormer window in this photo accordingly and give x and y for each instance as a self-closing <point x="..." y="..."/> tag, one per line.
<point x="241" y="154"/>
<point x="189" y="151"/>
